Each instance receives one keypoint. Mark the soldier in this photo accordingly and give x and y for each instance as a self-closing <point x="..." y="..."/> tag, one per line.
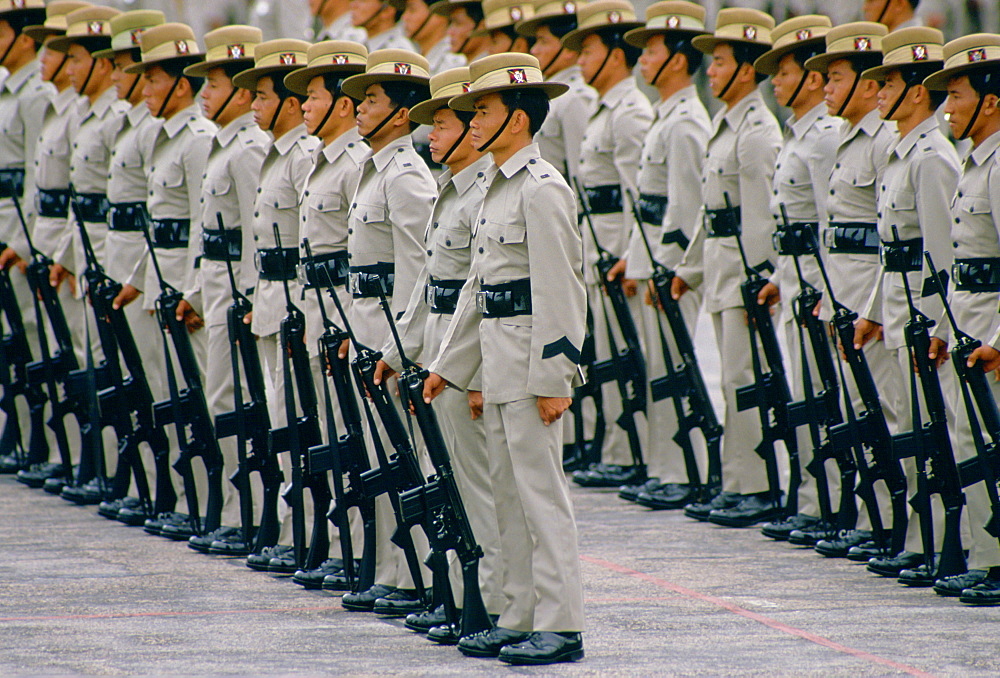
<point x="335" y="16"/>
<point x="432" y="304"/>
<point x="916" y="189"/>
<point x="500" y="19"/>
<point x="126" y="190"/>
<point x="521" y="320"/>
<point x="23" y="98"/>
<point x="465" y="17"/>
<point x="177" y="163"/>
<point x="801" y="179"/>
<point x="428" y="31"/>
<point x="739" y="163"/>
<point x="289" y="159"/>
<point x="227" y="188"/>
<point x="851" y="236"/>
<point x="895" y="14"/>
<point x="971" y="78"/>
<point x="610" y="153"/>
<point x="380" y="21"/>
<point x="669" y="185"/>
<point x="329" y="115"/>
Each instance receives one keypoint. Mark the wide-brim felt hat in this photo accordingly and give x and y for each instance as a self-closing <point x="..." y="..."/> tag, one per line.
<point x="859" y="40"/>
<point x="444" y="7"/>
<point x="545" y="11"/>
<point x="127" y="30"/>
<point x="166" y="43"/>
<point x="789" y="36"/>
<point x="739" y="26"/>
<point x="10" y="8"/>
<point x="229" y="45"/>
<point x="89" y="27"/>
<point x="445" y="86"/>
<point x="388" y="65"/>
<point x="330" y="56"/>
<point x="913" y="47"/>
<point x="505" y="72"/>
<point x="616" y="15"/>
<point x="498" y="14"/>
<point x="684" y="19"/>
<point x="274" y="58"/>
<point x="969" y="54"/>
<point x="55" y="19"/>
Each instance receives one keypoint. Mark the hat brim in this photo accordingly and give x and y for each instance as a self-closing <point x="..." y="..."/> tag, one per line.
<point x="88" y="42"/>
<point x="706" y="44"/>
<point x="640" y="36"/>
<point x="110" y="53"/>
<point x="939" y="81"/>
<point x="444" y="7"/>
<point x="248" y="79"/>
<point x="356" y="85"/>
<point x="466" y="102"/>
<point x="298" y="80"/>
<point x="574" y="39"/>
<point x="821" y="62"/>
<point x="143" y="66"/>
<point x="881" y="73"/>
<point x="768" y="62"/>
<point x="528" y="27"/>
<point x="423" y="113"/>
<point x="201" y="69"/>
<point x="41" y="33"/>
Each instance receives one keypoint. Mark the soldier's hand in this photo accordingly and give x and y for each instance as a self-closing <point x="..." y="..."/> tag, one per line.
<point x="248" y="318"/>
<point x="126" y="296"/>
<point x="651" y="299"/>
<point x="187" y="315"/>
<point x="938" y="352"/>
<point x="678" y="286"/>
<point x="58" y="274"/>
<point x="769" y="294"/>
<point x="987" y="357"/>
<point x="434" y="384"/>
<point x="9" y="258"/>
<point x="382" y="369"/>
<point x="864" y="331"/>
<point x="475" y="404"/>
<point x="345" y="346"/>
<point x="550" y="409"/>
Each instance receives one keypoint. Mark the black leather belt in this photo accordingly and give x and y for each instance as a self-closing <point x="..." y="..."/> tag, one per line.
<point x="126" y="216"/>
<point x="604" y="199"/>
<point x="222" y="244"/>
<point x="171" y="234"/>
<point x="93" y="207"/>
<point x="52" y="204"/>
<point x="851" y="238"/>
<point x="11" y="183"/>
<point x="722" y="223"/>
<point x="652" y="208"/>
<point x="368" y="281"/>
<point x="442" y="295"/>
<point x="505" y="300"/>
<point x="798" y="239"/>
<point x="277" y="263"/>
<point x="976" y="275"/>
<point x="902" y="256"/>
<point x="324" y="270"/>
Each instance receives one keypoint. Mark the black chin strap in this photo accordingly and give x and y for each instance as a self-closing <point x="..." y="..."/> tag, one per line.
<point x="553" y="59"/>
<point x="364" y="24"/>
<point x="385" y="121"/>
<point x="850" y="95"/>
<point x="899" y="100"/>
<point x="673" y="52"/>
<point x="131" y="90"/>
<point x="232" y="93"/>
<point x="798" y="89"/>
<point x="731" y="81"/>
<point x="60" y="66"/>
<point x="492" y="139"/>
<point x="885" y="8"/>
<point x="90" y="74"/>
<point x="461" y="48"/>
<point x="454" y="146"/>
<point x="3" y="59"/>
<point x="603" y="64"/>
<point x="413" y="36"/>
<point x="277" y="112"/>
<point x="326" y="118"/>
<point x="166" y="99"/>
<point x="972" y="120"/>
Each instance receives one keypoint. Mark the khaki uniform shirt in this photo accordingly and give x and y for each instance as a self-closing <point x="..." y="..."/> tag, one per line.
<point x="671" y="167"/>
<point x="282" y="176"/>
<point x="325" y="203"/>
<point x="229" y="187"/>
<point x="861" y="159"/>
<point x="23" y="100"/>
<point x="740" y="162"/>
<point x="394" y="38"/>
<point x="560" y="135"/>
<point x="51" y="161"/>
<point x="342" y="29"/>
<point x="609" y="155"/>
<point x="130" y="160"/>
<point x="526" y="229"/>
<point x="916" y="192"/>
<point x="388" y="215"/>
<point x="441" y="58"/>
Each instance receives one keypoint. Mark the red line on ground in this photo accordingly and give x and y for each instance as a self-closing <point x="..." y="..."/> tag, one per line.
<point x="767" y="621"/>
<point x="125" y="615"/>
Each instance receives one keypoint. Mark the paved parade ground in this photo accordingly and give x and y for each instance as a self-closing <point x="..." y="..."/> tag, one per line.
<point x="665" y="596"/>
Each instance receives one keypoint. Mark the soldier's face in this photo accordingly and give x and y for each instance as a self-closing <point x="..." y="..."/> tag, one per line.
<point x="592" y="56"/>
<point x="156" y="88"/>
<point x="265" y="103"/>
<point x="363" y="11"/>
<point x="892" y="89"/>
<point x="546" y="48"/>
<point x="217" y="89"/>
<point x="51" y="61"/>
<point x="839" y="82"/>
<point x="490" y="115"/>
<point x="316" y="105"/>
<point x="7" y="36"/>
<point x="122" y="80"/>
<point x="414" y="15"/>
<point x="787" y="79"/>
<point x="961" y="106"/>
<point x="445" y="132"/>
<point x="499" y="43"/>
<point x="78" y="67"/>
<point x="460" y="27"/>
<point x="373" y="110"/>
<point x="722" y="68"/>
<point x="653" y="57"/>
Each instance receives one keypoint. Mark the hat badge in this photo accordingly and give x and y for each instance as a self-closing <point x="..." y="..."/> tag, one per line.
<point x="977" y="55"/>
<point x="466" y="87"/>
<point x="137" y="36"/>
<point x="236" y="51"/>
<point x="614" y="17"/>
<point x="94" y="27"/>
<point x="750" y="32"/>
<point x="287" y="59"/>
<point x="804" y="34"/>
<point x="517" y="76"/>
<point x="920" y="53"/>
<point x="569" y="7"/>
<point x="18" y="4"/>
<point x="182" y="47"/>
<point x="516" y="13"/>
<point x="862" y="44"/>
<point x="340" y="59"/>
<point x="401" y="68"/>
<point x="673" y="21"/>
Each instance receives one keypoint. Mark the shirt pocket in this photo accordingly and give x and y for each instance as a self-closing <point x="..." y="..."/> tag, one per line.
<point x="169" y="176"/>
<point x="849" y="175"/>
<point x="218" y="186"/>
<point x="279" y="198"/>
<point x="506" y="234"/>
<point x="454" y="238"/>
<point x="323" y="202"/>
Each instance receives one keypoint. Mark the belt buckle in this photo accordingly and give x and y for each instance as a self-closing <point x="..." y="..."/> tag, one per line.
<point x="830" y="238"/>
<point x="481" y="302"/>
<point x="302" y="273"/>
<point x="258" y="261"/>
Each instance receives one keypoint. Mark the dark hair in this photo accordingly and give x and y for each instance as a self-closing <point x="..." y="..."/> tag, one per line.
<point x="984" y="82"/>
<point x="614" y="39"/>
<point x="682" y="44"/>
<point x="28" y="17"/>
<point x="232" y="68"/>
<point x="175" y="69"/>
<point x="509" y="31"/>
<point x="533" y="102"/>
<point x="136" y="53"/>
<point x="561" y="25"/>
<point x="332" y="82"/>
<point x="474" y="11"/>
<point x="914" y="3"/>
<point x="406" y="95"/>
<point x="863" y="61"/>
<point x="465" y="116"/>
<point x="745" y="53"/>
<point x="283" y="92"/>
<point x="937" y="98"/>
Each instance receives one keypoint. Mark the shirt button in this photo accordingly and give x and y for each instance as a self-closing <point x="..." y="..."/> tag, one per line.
<point x="350" y="145"/>
<point x="430" y="254"/>
<point x="954" y="244"/>
<point x="959" y="194"/>
<point x="501" y="238"/>
<point x="831" y="191"/>
<point x="256" y="214"/>
<point x="353" y="205"/>
<point x="531" y="162"/>
<point x="350" y="231"/>
<point x="448" y="242"/>
<point x="482" y="221"/>
<point x="480" y="250"/>
<point x="399" y="150"/>
<point x="307" y="194"/>
<point x="480" y="174"/>
<point x="837" y="165"/>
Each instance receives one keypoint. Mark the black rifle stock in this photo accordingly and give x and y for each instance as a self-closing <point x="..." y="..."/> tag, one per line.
<point x="583" y="452"/>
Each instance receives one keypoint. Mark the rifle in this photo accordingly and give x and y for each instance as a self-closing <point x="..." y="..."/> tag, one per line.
<point x="344" y="454"/>
<point x="300" y="434"/>
<point x="626" y="367"/>
<point x="683" y="383"/>
<point x="439" y="501"/>
<point x="769" y="393"/>
<point x="250" y="423"/>
<point x="819" y="411"/>
<point x="395" y="475"/>
<point x="582" y="453"/>
<point x="930" y="442"/>
<point x="186" y="408"/>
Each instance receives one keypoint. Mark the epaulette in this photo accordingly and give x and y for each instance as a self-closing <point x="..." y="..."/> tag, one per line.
<point x="252" y="135"/>
<point x="200" y="125"/>
<point x="307" y="144"/>
<point x="541" y="170"/>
